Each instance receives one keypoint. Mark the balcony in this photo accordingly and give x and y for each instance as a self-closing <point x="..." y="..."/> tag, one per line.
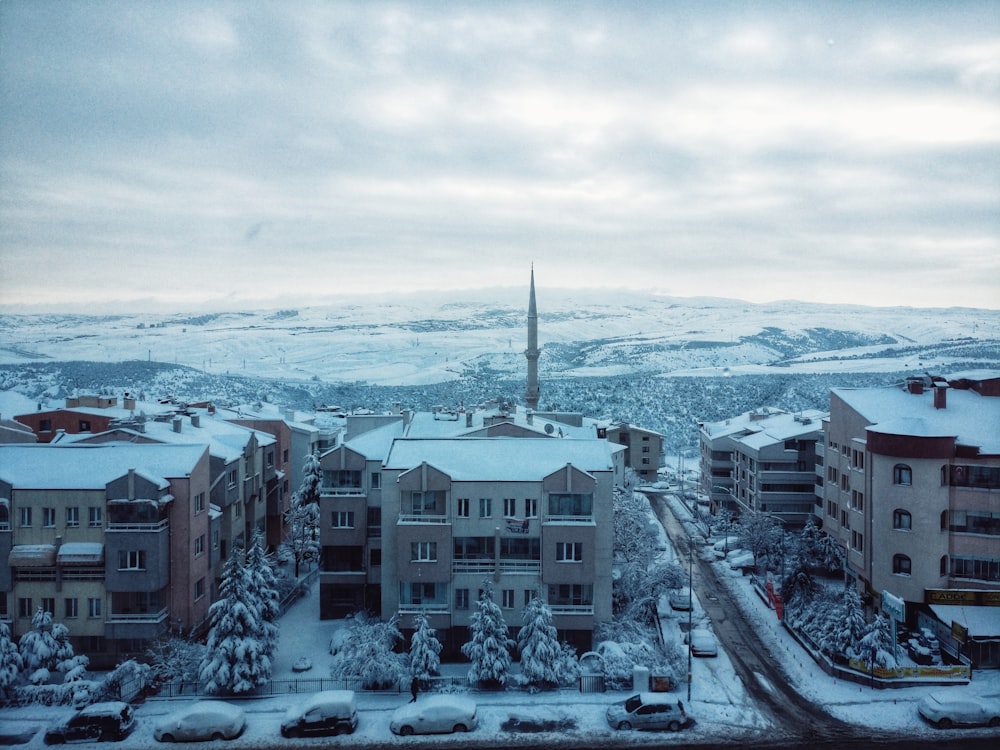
<point x="485" y="565"/>
<point x="329" y="491"/>
<point x="144" y="625"/>
<point x="411" y="518"/>
<point x="520" y="566"/>
<point x="161" y="525"/>
<point x="138" y="617"/>
<point x="424" y="609"/>
<point x="572" y="609"/>
<point x="569" y="519"/>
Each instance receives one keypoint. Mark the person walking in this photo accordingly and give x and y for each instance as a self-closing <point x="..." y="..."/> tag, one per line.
<point x="414" y="687"/>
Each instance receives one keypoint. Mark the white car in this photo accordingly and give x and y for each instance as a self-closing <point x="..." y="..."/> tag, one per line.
<point x="680" y="599"/>
<point x="703" y="643"/>
<point x="946" y="709"/>
<point x="740" y="559"/>
<point x="202" y="720"/>
<point x="435" y="714"/>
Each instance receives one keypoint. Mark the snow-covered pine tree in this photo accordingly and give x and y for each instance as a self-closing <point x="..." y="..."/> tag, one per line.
<point x="45" y="647"/>
<point x="489" y="649"/>
<point x="425" y="649"/>
<point x="848" y="629"/>
<point x="10" y="660"/>
<point x="538" y="642"/>
<point x="877" y="644"/>
<point x="303" y="516"/>
<point x="831" y="556"/>
<point x="262" y="586"/>
<point x="369" y="653"/>
<point x="798" y="588"/>
<point x="809" y="544"/>
<point x="236" y="659"/>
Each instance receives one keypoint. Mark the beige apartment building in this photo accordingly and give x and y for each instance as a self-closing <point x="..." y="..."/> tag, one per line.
<point x="910" y="481"/>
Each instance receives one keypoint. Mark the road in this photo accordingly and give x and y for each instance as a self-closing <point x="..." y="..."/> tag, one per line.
<point x="799" y="722"/>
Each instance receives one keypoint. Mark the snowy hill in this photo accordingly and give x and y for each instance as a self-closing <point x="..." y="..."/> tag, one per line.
<point x="664" y="362"/>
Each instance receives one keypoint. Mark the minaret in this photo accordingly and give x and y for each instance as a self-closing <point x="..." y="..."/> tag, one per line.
<point x="531" y="394"/>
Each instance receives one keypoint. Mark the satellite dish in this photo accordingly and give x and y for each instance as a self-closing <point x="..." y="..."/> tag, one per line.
<point x="549" y="429"/>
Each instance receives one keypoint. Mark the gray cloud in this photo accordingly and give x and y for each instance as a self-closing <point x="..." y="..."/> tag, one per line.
<point x="250" y="150"/>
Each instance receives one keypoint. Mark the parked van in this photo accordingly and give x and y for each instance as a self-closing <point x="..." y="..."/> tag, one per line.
<point x="324" y="713"/>
<point x="98" y="722"/>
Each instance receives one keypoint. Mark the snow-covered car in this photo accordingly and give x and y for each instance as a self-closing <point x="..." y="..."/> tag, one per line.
<point x="202" y="720"/>
<point x="946" y="709"/>
<point x="435" y="714"/>
<point x="724" y="546"/>
<point x="648" y="711"/>
<point x="98" y="722"/>
<point x="680" y="599"/>
<point x="740" y="559"/>
<point x="324" y="713"/>
<point x="703" y="642"/>
<point x="302" y="664"/>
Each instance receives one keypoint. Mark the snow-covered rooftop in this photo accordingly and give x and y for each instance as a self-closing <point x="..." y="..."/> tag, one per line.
<point x="40" y="467"/>
<point x="500" y="459"/>
<point x="967" y="416"/>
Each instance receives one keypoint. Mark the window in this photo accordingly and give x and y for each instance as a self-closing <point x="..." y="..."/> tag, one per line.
<point x="902" y="474"/>
<point x="49" y="605"/>
<point x="24" y="608"/>
<point x="72" y="517"/>
<point x="375" y="557"/>
<point x="571" y="594"/>
<point x="376" y="480"/>
<point x="531" y="507"/>
<point x="215" y="539"/>
<point x="569" y="551"/>
<point x="238" y="509"/>
<point x="25" y="515"/>
<point x="269" y="459"/>
<point x="422" y="503"/>
<point x="232" y="479"/>
<point x="507" y="599"/>
<point x="461" y="598"/>
<point x="570" y="504"/>
<point x="84" y="425"/>
<point x="944" y="565"/>
<point x="857" y="541"/>
<point x="48" y="517"/>
<point x="845" y="482"/>
<point x="462" y="507"/>
<point x="45" y="425"/>
<point x="832" y="475"/>
<point x="486" y="507"/>
<point x="132" y="559"/>
<point x="71" y="608"/>
<point x="199" y="502"/>
<point x="858" y="500"/>
<point x="509" y="507"/>
<point x="858" y="459"/>
<point x="342" y="519"/>
<point x="199" y="589"/>
<point x="95" y="516"/>
<point x="423" y="551"/>
<point x="199" y="546"/>
<point x="901" y="520"/>
<point x="284" y="456"/>
<point x="374" y="522"/>
<point x="93" y="607"/>
<point x="901" y="565"/>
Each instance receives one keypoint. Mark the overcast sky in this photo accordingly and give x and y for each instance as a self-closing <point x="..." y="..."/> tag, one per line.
<point x="183" y="152"/>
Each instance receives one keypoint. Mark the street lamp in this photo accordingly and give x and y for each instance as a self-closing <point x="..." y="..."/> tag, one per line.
<point x="690" y="607"/>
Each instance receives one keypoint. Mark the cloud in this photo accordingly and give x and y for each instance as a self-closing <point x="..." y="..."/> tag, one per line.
<point x="254" y="149"/>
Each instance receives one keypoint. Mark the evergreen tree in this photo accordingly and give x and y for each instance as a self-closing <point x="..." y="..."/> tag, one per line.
<point x="369" y="653"/>
<point x="538" y="642"/>
<point x="263" y="588"/>
<point x="236" y="658"/>
<point x="10" y="660"/>
<point x="831" y="556"/>
<point x="876" y="645"/>
<point x="489" y="649"/>
<point x="809" y="543"/>
<point x="303" y="516"/>
<point x="798" y="588"/>
<point x="850" y="627"/>
<point x="46" y="646"/>
<point x="425" y="649"/>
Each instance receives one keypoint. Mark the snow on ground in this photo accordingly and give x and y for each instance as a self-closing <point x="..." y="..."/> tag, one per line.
<point x="720" y="706"/>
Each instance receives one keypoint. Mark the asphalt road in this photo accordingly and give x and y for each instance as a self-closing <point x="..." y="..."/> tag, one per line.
<point x="799" y="722"/>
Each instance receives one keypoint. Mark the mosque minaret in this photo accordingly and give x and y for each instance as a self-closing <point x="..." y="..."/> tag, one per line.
<point x="532" y="352"/>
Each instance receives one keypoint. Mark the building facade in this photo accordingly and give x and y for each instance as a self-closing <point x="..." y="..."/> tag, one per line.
<point x="911" y="490"/>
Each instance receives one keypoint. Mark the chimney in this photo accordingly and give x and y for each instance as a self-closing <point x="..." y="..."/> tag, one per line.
<point x="177" y="424"/>
<point x="196" y="420"/>
<point x="915" y="386"/>
<point x="940" y="396"/>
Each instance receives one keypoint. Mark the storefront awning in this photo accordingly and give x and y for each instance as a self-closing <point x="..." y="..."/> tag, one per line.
<point x="981" y="623"/>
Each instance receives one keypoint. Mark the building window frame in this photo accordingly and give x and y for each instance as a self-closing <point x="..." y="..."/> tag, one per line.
<point x="902" y="475"/>
<point x="902" y="520"/>
<point x="901" y="565"/>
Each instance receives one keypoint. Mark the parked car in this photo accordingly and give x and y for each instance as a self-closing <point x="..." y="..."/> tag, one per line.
<point x="703" y="642"/>
<point x="202" y="720"/>
<point x="324" y="713"/>
<point x="302" y="664"/>
<point x="98" y="722"/>
<point x="680" y="599"/>
<point x="740" y="560"/>
<point x="648" y="711"/>
<point x="435" y="714"/>
<point x="946" y="709"/>
<point x="724" y="546"/>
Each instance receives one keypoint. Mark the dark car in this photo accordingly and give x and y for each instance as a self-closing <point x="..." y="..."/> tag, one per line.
<point x="98" y="722"/>
<point x="324" y="713"/>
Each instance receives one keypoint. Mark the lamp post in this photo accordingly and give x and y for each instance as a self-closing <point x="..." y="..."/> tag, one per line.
<point x="690" y="609"/>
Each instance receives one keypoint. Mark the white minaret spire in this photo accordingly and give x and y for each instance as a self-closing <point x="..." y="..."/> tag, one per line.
<point x="532" y="352"/>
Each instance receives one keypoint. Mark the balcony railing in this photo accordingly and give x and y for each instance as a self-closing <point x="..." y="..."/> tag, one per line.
<point x="571" y="609"/>
<point x="473" y="566"/>
<point x="138" y="526"/>
<point x="424" y="609"/>
<point x="420" y="518"/>
<point x="136" y="617"/>
<point x="520" y="566"/>
<point x="341" y="491"/>
<point x="569" y="519"/>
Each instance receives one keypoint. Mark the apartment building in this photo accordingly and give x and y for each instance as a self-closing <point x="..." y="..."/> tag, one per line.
<point x="763" y="460"/>
<point x="112" y="539"/>
<point x="911" y="489"/>
<point x="643" y="448"/>
<point x="416" y="524"/>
